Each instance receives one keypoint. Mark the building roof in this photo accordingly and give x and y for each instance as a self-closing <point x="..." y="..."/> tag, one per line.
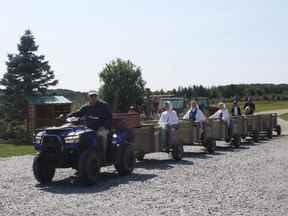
<point x="40" y="100"/>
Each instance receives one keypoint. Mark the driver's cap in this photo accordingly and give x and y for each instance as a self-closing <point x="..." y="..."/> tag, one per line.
<point x="92" y="92"/>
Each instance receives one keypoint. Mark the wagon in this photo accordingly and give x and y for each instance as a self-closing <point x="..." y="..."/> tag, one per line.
<point x="265" y="127"/>
<point x="190" y="133"/>
<point x="275" y="126"/>
<point x="253" y="126"/>
<point x="150" y="138"/>
<point x="220" y="131"/>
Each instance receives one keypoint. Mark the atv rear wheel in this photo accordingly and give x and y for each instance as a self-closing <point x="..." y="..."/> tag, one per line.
<point x="177" y="152"/>
<point x="126" y="159"/>
<point x="89" y="167"/>
<point x="42" y="170"/>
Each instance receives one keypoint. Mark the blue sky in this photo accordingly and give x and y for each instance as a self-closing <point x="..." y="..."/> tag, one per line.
<point x="184" y="42"/>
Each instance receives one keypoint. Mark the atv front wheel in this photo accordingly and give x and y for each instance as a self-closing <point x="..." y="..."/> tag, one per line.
<point x="42" y="170"/>
<point x="89" y="168"/>
<point x="126" y="160"/>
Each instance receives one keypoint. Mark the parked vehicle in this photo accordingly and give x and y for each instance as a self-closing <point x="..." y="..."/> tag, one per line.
<point x="73" y="145"/>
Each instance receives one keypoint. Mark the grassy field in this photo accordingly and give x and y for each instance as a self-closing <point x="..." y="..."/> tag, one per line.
<point x="284" y="116"/>
<point x="8" y="150"/>
<point x="266" y="106"/>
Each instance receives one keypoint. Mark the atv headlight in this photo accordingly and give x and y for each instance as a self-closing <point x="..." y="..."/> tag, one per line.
<point x="72" y="139"/>
<point x="38" y="137"/>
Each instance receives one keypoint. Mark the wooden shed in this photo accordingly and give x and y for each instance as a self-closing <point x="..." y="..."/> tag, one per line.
<point x="42" y="111"/>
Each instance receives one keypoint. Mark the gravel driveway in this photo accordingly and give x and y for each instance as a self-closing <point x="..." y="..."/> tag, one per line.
<point x="252" y="180"/>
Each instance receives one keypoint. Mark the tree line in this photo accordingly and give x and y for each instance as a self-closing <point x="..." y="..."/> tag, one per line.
<point x="261" y="91"/>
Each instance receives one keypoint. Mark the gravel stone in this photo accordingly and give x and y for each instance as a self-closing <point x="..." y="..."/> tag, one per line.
<point x="248" y="181"/>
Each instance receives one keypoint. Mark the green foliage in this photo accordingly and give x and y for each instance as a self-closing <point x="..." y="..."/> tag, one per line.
<point x="8" y="150"/>
<point x="27" y="74"/>
<point x="123" y="85"/>
<point x="265" y="91"/>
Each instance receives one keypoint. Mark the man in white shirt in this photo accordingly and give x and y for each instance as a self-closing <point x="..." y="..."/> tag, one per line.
<point x="169" y="116"/>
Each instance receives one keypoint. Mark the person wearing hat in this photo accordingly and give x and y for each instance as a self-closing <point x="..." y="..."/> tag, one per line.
<point x="98" y="117"/>
<point x="235" y="109"/>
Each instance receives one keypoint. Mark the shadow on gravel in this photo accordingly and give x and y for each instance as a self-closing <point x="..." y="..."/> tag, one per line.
<point x="199" y="155"/>
<point x="229" y="148"/>
<point x="161" y="164"/>
<point x="72" y="185"/>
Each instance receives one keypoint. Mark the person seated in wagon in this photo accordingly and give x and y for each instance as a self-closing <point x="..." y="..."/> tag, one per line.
<point x="169" y="123"/>
<point x="195" y="114"/>
<point x="169" y="117"/>
<point x="222" y="114"/>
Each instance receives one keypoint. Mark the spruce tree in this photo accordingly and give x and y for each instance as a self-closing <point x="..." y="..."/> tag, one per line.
<point x="27" y="74"/>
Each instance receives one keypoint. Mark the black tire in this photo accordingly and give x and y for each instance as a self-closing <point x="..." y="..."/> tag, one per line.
<point x="88" y="167"/>
<point x="236" y="141"/>
<point x="126" y="160"/>
<point x="255" y="136"/>
<point x="140" y="156"/>
<point x="42" y="170"/>
<point x="210" y="146"/>
<point x="177" y="152"/>
<point x="269" y="134"/>
<point x="278" y="130"/>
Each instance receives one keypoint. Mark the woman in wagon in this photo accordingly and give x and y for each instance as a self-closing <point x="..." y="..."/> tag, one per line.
<point x="222" y="114"/>
<point x="194" y="114"/>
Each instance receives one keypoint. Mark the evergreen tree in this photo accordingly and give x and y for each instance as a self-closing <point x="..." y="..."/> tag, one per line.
<point x="27" y="74"/>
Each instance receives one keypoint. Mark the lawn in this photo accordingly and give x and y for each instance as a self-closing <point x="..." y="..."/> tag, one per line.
<point x="8" y="150"/>
<point x="266" y="105"/>
<point x="284" y="116"/>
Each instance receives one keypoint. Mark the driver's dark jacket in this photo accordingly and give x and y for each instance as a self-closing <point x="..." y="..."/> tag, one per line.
<point x="96" y="116"/>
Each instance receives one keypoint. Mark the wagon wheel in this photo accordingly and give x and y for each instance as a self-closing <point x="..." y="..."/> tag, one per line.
<point x="177" y="151"/>
<point x="210" y="146"/>
<point x="255" y="136"/>
<point x="278" y="130"/>
<point x="140" y="156"/>
<point x="236" y="141"/>
<point x="270" y="134"/>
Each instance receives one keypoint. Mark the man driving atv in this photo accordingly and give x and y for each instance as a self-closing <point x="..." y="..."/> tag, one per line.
<point x="98" y="117"/>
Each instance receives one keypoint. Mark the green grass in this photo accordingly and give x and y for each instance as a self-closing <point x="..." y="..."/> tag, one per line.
<point x="284" y="116"/>
<point x="8" y="150"/>
<point x="265" y="105"/>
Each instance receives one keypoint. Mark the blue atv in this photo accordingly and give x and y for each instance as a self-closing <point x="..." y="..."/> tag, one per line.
<point x="73" y="145"/>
